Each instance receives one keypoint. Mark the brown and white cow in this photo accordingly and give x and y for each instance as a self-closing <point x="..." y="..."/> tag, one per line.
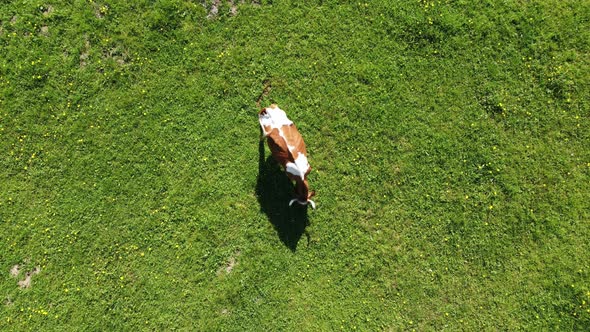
<point x="288" y="149"/>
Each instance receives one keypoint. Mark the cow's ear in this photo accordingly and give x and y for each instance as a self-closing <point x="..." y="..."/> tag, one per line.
<point x="262" y="111"/>
<point x="311" y="194"/>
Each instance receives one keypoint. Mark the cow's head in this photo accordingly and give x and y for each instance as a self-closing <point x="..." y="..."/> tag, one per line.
<point x="303" y="194"/>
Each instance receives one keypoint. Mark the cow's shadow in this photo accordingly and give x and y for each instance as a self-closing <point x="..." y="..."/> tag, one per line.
<point x="274" y="191"/>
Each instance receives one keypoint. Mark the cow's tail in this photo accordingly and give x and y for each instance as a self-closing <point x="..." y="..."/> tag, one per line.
<point x="264" y="93"/>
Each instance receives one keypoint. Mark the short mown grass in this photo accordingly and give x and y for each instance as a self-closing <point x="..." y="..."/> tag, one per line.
<point x="449" y="142"/>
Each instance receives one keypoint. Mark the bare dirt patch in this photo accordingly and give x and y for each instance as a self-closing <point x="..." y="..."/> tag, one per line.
<point x="214" y="9"/>
<point x="214" y="6"/>
<point x="233" y="8"/>
<point x="228" y="267"/>
<point x="44" y="30"/>
<point x="85" y="54"/>
<point x="100" y="11"/>
<point x="15" y="271"/>
<point x="8" y="301"/>
<point x="118" y="54"/>
<point x="48" y="10"/>
<point x="26" y="282"/>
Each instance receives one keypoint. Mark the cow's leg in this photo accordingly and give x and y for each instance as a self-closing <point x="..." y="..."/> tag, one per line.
<point x="262" y="136"/>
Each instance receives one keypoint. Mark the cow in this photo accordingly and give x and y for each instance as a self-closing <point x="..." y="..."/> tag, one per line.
<point x="288" y="149"/>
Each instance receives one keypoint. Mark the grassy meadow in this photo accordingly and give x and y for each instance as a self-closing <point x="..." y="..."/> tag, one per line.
<point x="449" y="140"/>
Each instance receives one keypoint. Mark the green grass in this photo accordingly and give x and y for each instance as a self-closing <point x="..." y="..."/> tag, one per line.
<point x="449" y="142"/>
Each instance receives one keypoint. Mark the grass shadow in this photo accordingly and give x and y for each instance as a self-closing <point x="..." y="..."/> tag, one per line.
<point x="274" y="190"/>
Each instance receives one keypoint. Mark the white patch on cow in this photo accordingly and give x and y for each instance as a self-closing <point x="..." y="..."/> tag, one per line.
<point x="274" y="118"/>
<point x="293" y="169"/>
<point x="282" y="135"/>
<point x="299" y="167"/>
<point x="302" y="164"/>
<point x="291" y="147"/>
